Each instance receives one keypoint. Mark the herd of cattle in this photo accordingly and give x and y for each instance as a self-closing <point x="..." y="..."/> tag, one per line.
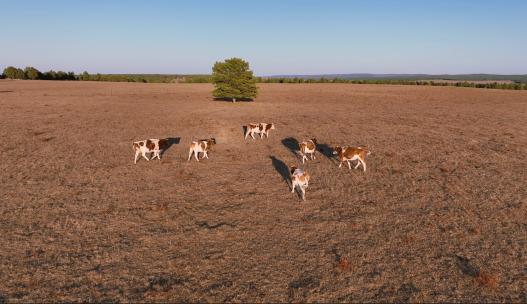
<point x="299" y="178"/>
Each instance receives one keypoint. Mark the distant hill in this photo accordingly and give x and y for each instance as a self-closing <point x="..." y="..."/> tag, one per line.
<point x="366" y="76"/>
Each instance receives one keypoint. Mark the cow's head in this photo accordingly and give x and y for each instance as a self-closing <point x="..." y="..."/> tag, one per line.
<point x="337" y="150"/>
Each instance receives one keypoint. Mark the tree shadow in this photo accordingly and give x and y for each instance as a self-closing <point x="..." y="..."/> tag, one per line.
<point x="292" y="144"/>
<point x="170" y="141"/>
<point x="224" y="99"/>
<point x="281" y="168"/>
<point x="6" y="91"/>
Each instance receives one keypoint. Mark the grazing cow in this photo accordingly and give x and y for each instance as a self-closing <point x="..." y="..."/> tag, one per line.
<point x="202" y="146"/>
<point x="308" y="147"/>
<point x="300" y="179"/>
<point x="149" y="146"/>
<point x="348" y="154"/>
<point x="261" y="128"/>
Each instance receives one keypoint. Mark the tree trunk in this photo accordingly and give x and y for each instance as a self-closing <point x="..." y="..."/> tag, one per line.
<point x="234" y="100"/>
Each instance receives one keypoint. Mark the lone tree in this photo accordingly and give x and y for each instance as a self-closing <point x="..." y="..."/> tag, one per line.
<point x="232" y="79"/>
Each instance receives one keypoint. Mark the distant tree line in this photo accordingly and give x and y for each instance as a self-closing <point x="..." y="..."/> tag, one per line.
<point x="34" y="74"/>
<point x="145" y="78"/>
<point x="468" y="84"/>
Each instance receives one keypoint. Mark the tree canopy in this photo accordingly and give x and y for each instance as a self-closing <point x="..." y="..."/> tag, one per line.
<point x="14" y="73"/>
<point x="32" y="73"/>
<point x="233" y="80"/>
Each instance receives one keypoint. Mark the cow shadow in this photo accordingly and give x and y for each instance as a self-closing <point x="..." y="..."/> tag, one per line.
<point x="245" y="128"/>
<point x="281" y="168"/>
<point x="291" y="144"/>
<point x="170" y="142"/>
<point x="326" y="150"/>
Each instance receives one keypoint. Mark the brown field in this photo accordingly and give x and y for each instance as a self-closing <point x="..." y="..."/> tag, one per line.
<point x="440" y="215"/>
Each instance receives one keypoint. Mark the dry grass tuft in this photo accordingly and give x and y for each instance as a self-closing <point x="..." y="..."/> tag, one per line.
<point x="486" y="279"/>
<point x="344" y="264"/>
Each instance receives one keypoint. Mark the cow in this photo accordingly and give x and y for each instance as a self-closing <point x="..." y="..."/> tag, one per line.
<point x="201" y="146"/>
<point x="348" y="154"/>
<point x="308" y="147"/>
<point x="259" y="128"/>
<point x="300" y="180"/>
<point x="152" y="145"/>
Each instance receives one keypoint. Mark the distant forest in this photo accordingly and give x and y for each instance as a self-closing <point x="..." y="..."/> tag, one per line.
<point x="34" y="74"/>
<point x="487" y="81"/>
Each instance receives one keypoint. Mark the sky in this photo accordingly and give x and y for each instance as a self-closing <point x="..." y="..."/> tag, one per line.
<point x="276" y="36"/>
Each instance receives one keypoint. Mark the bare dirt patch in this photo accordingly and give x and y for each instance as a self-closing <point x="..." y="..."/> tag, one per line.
<point x="440" y="215"/>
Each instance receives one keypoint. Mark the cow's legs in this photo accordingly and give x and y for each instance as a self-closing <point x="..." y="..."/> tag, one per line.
<point x="358" y="164"/>
<point x="196" y="155"/>
<point x="349" y="165"/>
<point x="144" y="155"/>
<point x="189" y="154"/>
<point x="252" y="135"/>
<point x="136" y="155"/>
<point x="303" y="157"/>
<point x="363" y="164"/>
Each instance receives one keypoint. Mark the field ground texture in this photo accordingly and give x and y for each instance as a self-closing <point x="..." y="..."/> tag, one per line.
<point x="440" y="215"/>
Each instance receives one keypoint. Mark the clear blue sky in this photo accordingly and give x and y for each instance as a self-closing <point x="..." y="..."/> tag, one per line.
<point x="275" y="36"/>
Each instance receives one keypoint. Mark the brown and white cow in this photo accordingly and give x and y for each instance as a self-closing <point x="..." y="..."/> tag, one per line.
<point x="201" y="146"/>
<point x="259" y="128"/>
<point x="300" y="180"/>
<point x="152" y="145"/>
<point x="348" y="154"/>
<point x="308" y="147"/>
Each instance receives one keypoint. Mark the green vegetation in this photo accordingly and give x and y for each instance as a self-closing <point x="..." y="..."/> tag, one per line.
<point x="14" y="73"/>
<point x="34" y="74"/>
<point x="233" y="80"/>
